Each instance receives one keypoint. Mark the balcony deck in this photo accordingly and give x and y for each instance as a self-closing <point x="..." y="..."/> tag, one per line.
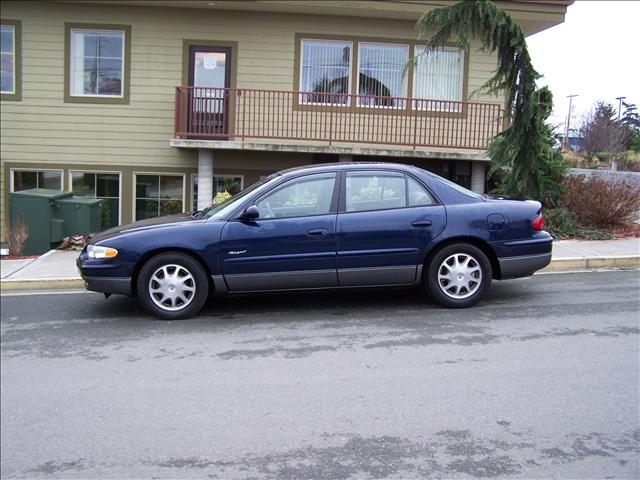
<point x="253" y="119"/>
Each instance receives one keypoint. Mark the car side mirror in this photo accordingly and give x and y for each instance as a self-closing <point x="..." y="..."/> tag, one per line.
<point x="250" y="213"/>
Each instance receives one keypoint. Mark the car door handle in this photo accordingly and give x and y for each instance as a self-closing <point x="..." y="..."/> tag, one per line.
<point x="421" y="223"/>
<point x="321" y="232"/>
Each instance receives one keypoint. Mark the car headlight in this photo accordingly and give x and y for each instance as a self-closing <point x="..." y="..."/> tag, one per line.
<point x="95" y="251"/>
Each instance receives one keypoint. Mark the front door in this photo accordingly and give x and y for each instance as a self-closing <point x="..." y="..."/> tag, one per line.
<point x="208" y="94"/>
<point x="292" y="244"/>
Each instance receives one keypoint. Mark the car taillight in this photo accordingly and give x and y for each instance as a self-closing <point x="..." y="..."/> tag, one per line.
<point x="538" y="222"/>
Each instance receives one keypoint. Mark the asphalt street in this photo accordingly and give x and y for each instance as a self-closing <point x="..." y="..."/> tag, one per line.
<point x="539" y="380"/>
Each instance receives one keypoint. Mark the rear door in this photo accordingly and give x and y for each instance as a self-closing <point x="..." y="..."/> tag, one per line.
<point x="291" y="245"/>
<point x="385" y="222"/>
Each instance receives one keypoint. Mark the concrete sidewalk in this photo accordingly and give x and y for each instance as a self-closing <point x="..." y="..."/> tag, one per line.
<point x="54" y="269"/>
<point x="57" y="269"/>
<point x="587" y="254"/>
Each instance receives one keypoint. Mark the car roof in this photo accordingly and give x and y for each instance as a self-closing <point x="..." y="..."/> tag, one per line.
<point x="323" y="167"/>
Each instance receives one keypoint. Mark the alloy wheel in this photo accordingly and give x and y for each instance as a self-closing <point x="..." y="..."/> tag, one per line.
<point x="459" y="276"/>
<point x="172" y="287"/>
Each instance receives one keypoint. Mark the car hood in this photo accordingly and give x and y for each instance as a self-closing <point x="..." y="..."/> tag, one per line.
<point x="149" y="223"/>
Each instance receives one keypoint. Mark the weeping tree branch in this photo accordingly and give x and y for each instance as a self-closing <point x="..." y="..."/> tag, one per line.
<point x="523" y="152"/>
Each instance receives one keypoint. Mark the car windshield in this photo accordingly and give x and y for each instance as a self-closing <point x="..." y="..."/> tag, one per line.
<point x="223" y="209"/>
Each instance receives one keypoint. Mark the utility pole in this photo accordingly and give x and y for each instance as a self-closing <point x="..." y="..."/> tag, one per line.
<point x="619" y="105"/>
<point x="566" y="129"/>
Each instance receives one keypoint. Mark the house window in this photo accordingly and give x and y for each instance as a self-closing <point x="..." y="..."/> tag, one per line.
<point x="158" y="195"/>
<point x="325" y="68"/>
<point x="105" y="186"/>
<point x="381" y="69"/>
<point x="97" y="64"/>
<point x="26" y="179"/>
<point x="438" y="76"/>
<point x="221" y="183"/>
<point x="10" y="60"/>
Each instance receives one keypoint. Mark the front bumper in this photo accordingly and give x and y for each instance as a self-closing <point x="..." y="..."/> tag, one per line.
<point x="121" y="286"/>
<point x="96" y="278"/>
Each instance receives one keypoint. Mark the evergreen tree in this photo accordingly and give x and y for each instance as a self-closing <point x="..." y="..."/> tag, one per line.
<point x="631" y="123"/>
<point x="524" y="152"/>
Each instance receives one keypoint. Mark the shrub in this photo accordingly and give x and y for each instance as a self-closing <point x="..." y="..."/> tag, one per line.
<point x="601" y="202"/>
<point x="16" y="235"/>
<point x="629" y="161"/>
<point x="561" y="223"/>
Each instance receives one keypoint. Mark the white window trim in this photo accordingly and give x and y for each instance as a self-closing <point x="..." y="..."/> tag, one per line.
<point x="13" y="170"/>
<point x="119" y="173"/>
<point x="14" y="52"/>
<point x="72" y="60"/>
<point x="350" y="80"/>
<point x="184" y="193"/>
<point x="225" y="175"/>
<point x="416" y="101"/>
<point x="406" y="79"/>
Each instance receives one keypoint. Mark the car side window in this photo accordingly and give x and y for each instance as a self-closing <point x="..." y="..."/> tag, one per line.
<point x="375" y="191"/>
<point x="309" y="195"/>
<point x="418" y="195"/>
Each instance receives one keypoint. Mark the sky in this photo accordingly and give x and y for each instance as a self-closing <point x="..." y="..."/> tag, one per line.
<point x="595" y="54"/>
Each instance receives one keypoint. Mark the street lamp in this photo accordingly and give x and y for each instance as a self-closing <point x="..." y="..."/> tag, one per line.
<point x="619" y="105"/>
<point x="566" y="129"/>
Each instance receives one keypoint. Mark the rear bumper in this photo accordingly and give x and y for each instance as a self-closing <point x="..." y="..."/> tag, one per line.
<point x="523" y="266"/>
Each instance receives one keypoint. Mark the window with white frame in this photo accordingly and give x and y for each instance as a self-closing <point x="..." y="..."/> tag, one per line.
<point x="27" y="179"/>
<point x="381" y="74"/>
<point x="105" y="186"/>
<point x="97" y="63"/>
<point x="221" y="183"/>
<point x="325" y="68"/>
<point x="437" y="76"/>
<point x="158" y="195"/>
<point x="8" y="59"/>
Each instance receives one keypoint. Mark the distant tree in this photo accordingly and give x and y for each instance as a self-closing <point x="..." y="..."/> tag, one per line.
<point x="602" y="132"/>
<point x="630" y="121"/>
<point x="523" y="155"/>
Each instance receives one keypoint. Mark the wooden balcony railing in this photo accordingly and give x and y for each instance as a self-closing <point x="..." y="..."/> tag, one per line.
<point x="330" y="118"/>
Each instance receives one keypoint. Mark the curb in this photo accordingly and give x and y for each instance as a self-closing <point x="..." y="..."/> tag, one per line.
<point x="41" y="284"/>
<point x="557" y="265"/>
<point x="581" y="263"/>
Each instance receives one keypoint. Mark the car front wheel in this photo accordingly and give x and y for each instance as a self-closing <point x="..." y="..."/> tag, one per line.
<point x="172" y="286"/>
<point x="458" y="275"/>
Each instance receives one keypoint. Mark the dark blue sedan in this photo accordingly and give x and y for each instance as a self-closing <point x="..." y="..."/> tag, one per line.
<point x="322" y="227"/>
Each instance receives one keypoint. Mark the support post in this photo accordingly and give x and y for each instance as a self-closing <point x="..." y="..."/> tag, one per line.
<point x="477" y="177"/>
<point x="205" y="178"/>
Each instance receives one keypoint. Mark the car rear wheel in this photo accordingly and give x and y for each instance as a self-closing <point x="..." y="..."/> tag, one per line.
<point x="458" y="275"/>
<point x="172" y="286"/>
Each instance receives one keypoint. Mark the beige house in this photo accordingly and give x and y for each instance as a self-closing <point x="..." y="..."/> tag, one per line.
<point x="155" y="106"/>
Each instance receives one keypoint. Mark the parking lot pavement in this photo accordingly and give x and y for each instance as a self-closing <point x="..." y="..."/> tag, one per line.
<point x="540" y="380"/>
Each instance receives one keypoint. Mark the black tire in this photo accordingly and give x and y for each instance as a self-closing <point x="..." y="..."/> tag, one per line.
<point x="467" y="285"/>
<point x="173" y="300"/>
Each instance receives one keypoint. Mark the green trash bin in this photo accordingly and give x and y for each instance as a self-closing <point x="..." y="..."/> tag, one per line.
<point x="81" y="215"/>
<point x="35" y="208"/>
<point x="51" y="215"/>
